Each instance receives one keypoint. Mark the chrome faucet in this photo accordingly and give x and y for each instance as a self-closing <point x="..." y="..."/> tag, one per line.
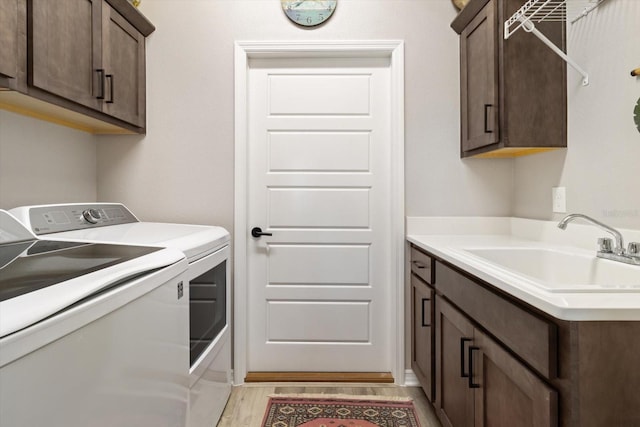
<point x="618" y="252"/>
<point x="617" y="249"/>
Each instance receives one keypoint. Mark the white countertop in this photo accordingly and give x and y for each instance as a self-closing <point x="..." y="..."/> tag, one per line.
<point x="447" y="238"/>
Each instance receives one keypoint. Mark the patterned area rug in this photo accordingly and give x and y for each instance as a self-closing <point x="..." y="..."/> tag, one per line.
<point x="349" y="411"/>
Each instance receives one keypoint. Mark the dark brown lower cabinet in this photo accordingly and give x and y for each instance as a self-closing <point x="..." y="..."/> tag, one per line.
<point x="501" y="362"/>
<point x="422" y="354"/>
<point x="454" y="398"/>
<point x="479" y="383"/>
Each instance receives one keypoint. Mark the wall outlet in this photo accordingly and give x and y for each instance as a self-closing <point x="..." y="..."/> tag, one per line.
<point x="559" y="197"/>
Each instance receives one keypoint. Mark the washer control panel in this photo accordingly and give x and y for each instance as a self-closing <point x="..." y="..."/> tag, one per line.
<point x="58" y="218"/>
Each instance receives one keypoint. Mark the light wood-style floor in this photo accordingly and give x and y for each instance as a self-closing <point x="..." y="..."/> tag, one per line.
<point x="248" y="402"/>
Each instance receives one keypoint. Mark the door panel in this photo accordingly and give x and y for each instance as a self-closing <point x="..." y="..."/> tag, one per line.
<point x="509" y="393"/>
<point x="329" y="94"/>
<point x="479" y="80"/>
<point x="319" y="207"/>
<point x="318" y="264"/>
<point x="319" y="171"/>
<point x="65" y="50"/>
<point x="319" y="151"/>
<point x="454" y="335"/>
<point x="321" y="321"/>
<point x="9" y="36"/>
<point x="422" y="316"/>
<point x="125" y="67"/>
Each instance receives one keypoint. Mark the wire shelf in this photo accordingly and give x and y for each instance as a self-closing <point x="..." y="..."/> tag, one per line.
<point x="536" y="11"/>
<point x="550" y="10"/>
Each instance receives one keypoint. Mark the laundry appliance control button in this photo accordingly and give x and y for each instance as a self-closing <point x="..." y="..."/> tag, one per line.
<point x="91" y="215"/>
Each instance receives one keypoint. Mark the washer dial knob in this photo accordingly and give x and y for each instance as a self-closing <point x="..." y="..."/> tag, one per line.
<point x="92" y="216"/>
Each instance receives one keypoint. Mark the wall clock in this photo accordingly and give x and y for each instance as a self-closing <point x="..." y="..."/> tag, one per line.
<point x="308" y="13"/>
<point x="636" y="115"/>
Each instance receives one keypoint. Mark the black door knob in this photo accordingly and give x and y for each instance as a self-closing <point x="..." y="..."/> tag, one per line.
<point x="257" y="232"/>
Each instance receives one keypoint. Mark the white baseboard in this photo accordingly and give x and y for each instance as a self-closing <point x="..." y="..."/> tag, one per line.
<point x="410" y="379"/>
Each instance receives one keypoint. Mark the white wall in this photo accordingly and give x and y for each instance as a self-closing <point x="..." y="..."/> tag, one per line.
<point x="600" y="167"/>
<point x="186" y="159"/>
<point x="183" y="169"/>
<point x="41" y="163"/>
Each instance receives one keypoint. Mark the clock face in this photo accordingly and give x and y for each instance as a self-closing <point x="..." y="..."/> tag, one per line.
<point x="308" y="13"/>
<point x="636" y="115"/>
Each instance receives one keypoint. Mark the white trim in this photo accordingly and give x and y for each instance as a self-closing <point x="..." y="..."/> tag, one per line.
<point x="410" y="379"/>
<point x="240" y="218"/>
<point x="245" y="50"/>
<point x="397" y="205"/>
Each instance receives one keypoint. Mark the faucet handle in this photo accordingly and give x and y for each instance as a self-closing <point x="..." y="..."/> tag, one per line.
<point x="633" y="249"/>
<point x="604" y="245"/>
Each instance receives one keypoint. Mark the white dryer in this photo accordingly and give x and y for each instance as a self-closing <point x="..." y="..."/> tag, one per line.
<point x="207" y="251"/>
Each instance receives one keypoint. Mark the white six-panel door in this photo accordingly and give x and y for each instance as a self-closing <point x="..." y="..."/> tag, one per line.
<point x="319" y="181"/>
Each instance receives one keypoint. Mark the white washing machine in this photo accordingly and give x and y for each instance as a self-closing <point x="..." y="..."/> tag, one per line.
<point x="207" y="251"/>
<point x="74" y="351"/>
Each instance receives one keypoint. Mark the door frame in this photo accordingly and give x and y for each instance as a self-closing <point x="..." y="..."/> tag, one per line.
<point x="246" y="50"/>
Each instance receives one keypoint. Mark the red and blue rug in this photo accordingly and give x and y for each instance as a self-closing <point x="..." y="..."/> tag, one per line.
<point x="355" y="411"/>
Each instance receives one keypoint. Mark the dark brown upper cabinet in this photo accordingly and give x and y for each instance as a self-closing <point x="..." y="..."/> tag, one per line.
<point x="9" y="37"/>
<point x="513" y="92"/>
<point x="64" y="49"/>
<point x="13" y="36"/>
<point x="85" y="62"/>
<point x="124" y="65"/>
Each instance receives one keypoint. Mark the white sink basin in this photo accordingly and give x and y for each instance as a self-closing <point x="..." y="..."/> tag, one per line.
<point x="558" y="270"/>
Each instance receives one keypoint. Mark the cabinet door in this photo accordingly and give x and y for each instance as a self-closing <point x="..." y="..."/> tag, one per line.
<point x="9" y="37"/>
<point x="422" y="320"/>
<point x="509" y="394"/>
<point x="64" y="42"/>
<point x="479" y="80"/>
<point x="123" y="54"/>
<point x="454" y="335"/>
